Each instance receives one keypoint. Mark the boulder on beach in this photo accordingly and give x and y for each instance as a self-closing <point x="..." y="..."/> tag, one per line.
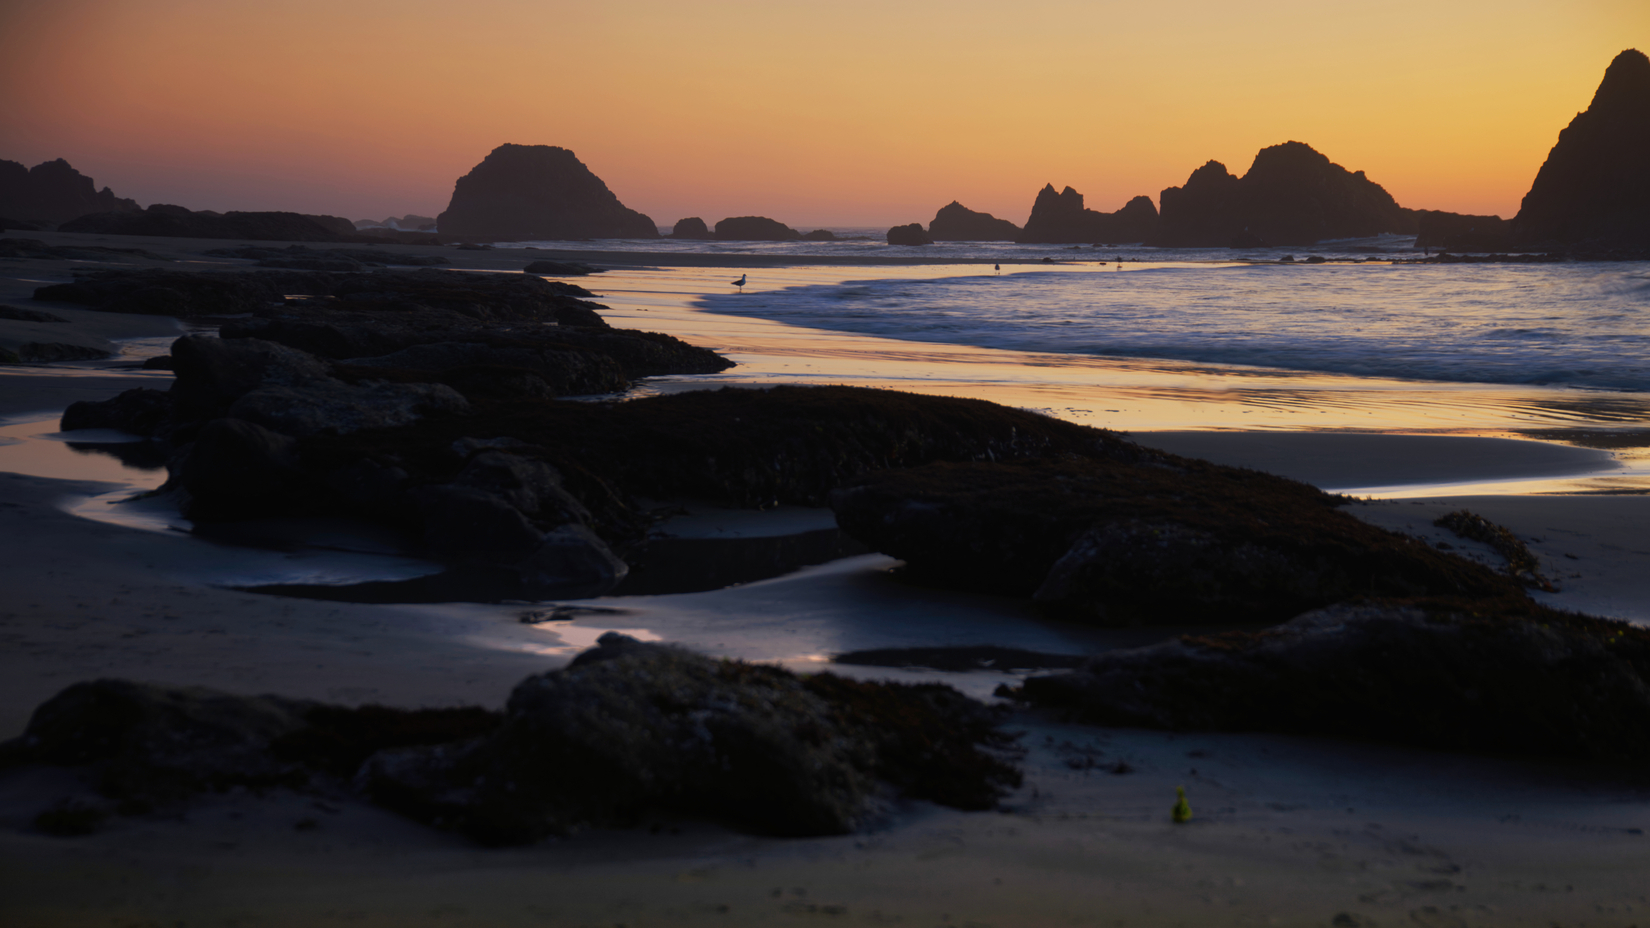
<point x="1594" y="188"/>
<point x="755" y="229"/>
<point x="1291" y="195"/>
<point x="692" y="228"/>
<point x="1505" y="676"/>
<point x="957" y="223"/>
<point x="1129" y="536"/>
<point x="912" y="234"/>
<point x="52" y="192"/>
<point x="178" y="222"/>
<point x="626" y="729"/>
<point x="1061" y="218"/>
<point x="537" y="192"/>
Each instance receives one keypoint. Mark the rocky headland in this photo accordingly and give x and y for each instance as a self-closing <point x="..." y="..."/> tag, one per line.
<point x="1291" y="195"/>
<point x="957" y="223"/>
<point x="51" y="193"/>
<point x="537" y="192"/>
<point x="1593" y="191"/>
<point x="163" y="219"/>
<point x="1061" y="218"/>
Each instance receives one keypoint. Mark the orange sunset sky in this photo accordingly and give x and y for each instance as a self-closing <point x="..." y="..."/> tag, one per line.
<point x="847" y="112"/>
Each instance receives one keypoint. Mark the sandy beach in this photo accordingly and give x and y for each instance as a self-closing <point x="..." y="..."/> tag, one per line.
<point x="1287" y="831"/>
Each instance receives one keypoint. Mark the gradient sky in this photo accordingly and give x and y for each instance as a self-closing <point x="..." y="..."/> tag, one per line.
<point x="848" y="112"/>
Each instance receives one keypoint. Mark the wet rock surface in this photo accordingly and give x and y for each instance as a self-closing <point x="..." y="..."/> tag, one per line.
<point x="1504" y="676"/>
<point x="1138" y="538"/>
<point x="626" y="728"/>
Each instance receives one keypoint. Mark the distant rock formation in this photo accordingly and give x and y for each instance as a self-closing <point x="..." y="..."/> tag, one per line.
<point x="819" y="235"/>
<point x="1292" y="195"/>
<point x="1439" y="230"/>
<point x="1595" y="185"/>
<point x="178" y="222"/>
<point x="692" y="228"/>
<point x="408" y="223"/>
<point x="912" y="234"/>
<point x="755" y="229"/>
<point x="53" y="192"/>
<point x="537" y="192"/>
<point x="1061" y="218"/>
<point x="957" y="223"/>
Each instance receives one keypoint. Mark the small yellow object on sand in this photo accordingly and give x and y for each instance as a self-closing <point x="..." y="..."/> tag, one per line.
<point x="1182" y="812"/>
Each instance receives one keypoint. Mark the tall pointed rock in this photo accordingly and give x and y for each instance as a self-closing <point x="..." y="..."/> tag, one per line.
<point x="1595" y="185"/>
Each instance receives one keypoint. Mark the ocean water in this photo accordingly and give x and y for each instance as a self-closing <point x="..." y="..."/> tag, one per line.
<point x="1582" y="325"/>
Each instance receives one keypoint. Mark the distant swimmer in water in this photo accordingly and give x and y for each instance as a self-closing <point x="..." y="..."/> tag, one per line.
<point x="740" y="283"/>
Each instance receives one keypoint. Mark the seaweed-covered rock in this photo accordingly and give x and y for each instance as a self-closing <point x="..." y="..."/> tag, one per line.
<point x="630" y="726"/>
<point x="1500" y="675"/>
<point x="1146" y="538"/>
<point x="139" y="412"/>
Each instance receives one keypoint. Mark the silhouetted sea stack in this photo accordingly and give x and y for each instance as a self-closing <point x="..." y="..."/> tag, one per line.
<point x="1595" y="185"/>
<point x="178" y="222"/>
<point x="1461" y="231"/>
<point x="1292" y="195"/>
<point x="1061" y="218"/>
<point x="691" y="228"/>
<point x="755" y="229"/>
<point x="537" y="192"/>
<point x="53" y="192"/>
<point x="957" y="223"/>
<point x="909" y="235"/>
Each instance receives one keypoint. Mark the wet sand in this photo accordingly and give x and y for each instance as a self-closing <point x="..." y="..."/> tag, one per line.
<point x="1287" y="831"/>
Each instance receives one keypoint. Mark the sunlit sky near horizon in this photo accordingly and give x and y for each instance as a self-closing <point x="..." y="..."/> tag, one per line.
<point x="844" y="113"/>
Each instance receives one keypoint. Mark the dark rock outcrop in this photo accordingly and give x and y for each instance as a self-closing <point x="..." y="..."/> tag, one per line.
<point x="1594" y="187"/>
<point x="819" y="235"/>
<point x="957" y="223"/>
<point x="1439" y="230"/>
<point x="537" y="192"/>
<point x="755" y="229"/>
<point x="562" y="268"/>
<point x="1061" y="218"/>
<point x="1504" y="676"/>
<point x="178" y="222"/>
<point x="627" y="728"/>
<point x="1291" y="195"/>
<point x="304" y="258"/>
<point x="1138" y="537"/>
<point x="912" y="234"/>
<point x="657" y="727"/>
<point x="692" y="228"/>
<point x="53" y="192"/>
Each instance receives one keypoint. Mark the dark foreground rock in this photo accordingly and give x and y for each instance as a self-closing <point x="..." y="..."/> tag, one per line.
<point x="632" y="726"/>
<point x="1593" y="191"/>
<point x="625" y="729"/>
<point x="1505" y="676"/>
<point x="537" y="192"/>
<point x="1143" y="539"/>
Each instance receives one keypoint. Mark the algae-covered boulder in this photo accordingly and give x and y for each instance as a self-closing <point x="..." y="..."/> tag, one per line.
<point x="1504" y="675"/>
<point x="631" y="726"/>
<point x="1144" y="539"/>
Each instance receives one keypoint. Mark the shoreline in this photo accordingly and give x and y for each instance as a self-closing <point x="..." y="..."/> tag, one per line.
<point x="1430" y="836"/>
